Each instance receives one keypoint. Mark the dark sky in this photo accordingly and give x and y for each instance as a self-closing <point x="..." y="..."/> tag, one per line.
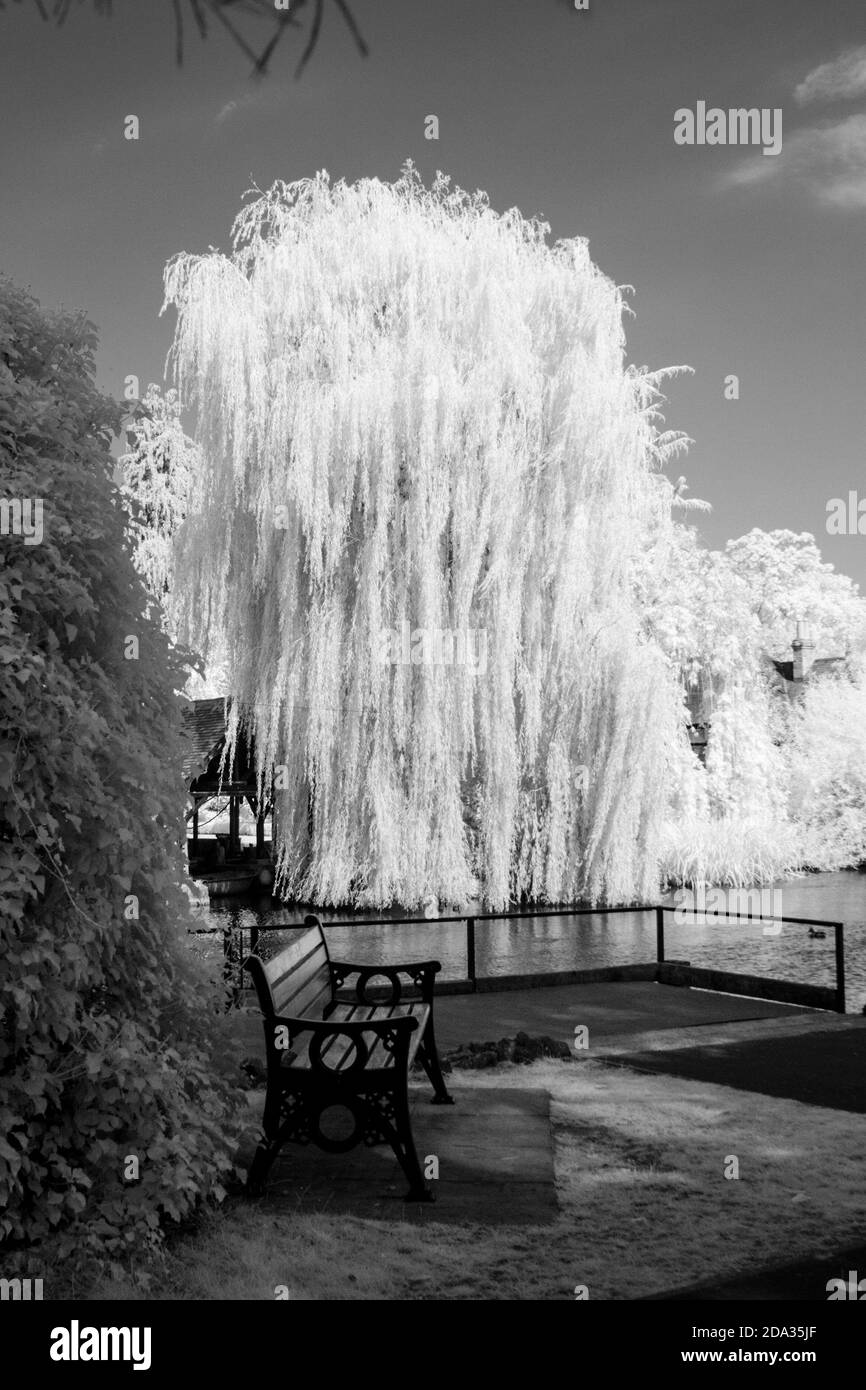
<point x="742" y="263"/>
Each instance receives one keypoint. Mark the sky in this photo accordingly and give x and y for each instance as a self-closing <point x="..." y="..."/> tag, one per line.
<point x="742" y="263"/>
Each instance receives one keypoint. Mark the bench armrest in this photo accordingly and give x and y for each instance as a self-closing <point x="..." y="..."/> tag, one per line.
<point x="393" y="1033"/>
<point x="422" y="974"/>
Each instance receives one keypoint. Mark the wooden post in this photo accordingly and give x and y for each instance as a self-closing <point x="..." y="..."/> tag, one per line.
<point x="840" y="967"/>
<point x="470" y="953"/>
<point x="660" y="935"/>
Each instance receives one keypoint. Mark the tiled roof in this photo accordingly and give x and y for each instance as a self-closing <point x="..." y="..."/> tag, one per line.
<point x="205" y="729"/>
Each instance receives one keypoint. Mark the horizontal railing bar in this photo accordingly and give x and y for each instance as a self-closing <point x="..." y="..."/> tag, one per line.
<point x="517" y="916"/>
<point x="476" y="916"/>
<point x="756" y="917"/>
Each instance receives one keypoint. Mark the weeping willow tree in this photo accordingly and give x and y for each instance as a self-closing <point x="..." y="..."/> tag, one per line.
<point x="415" y="417"/>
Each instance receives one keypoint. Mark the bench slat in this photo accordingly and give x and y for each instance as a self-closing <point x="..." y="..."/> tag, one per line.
<point x="363" y="1013"/>
<point x="308" y="950"/>
<point x="303" y="996"/>
<point x="356" y="1013"/>
<point x="374" y="1043"/>
<point x="379" y="1059"/>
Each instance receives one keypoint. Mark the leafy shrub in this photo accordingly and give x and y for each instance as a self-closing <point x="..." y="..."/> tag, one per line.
<point x="105" y="1034"/>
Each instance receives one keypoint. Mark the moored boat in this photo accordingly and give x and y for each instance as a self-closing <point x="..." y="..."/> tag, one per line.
<point x="224" y="883"/>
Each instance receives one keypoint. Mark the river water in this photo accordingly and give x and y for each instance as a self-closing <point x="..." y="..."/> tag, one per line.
<point x="535" y="945"/>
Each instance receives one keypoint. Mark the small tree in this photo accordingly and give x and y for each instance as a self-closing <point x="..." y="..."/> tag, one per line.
<point x="157" y="477"/>
<point x="105" y="1065"/>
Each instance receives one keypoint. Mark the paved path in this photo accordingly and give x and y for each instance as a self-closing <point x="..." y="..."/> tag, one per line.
<point x="608" y="1010"/>
<point x="495" y="1154"/>
<point x="824" y="1064"/>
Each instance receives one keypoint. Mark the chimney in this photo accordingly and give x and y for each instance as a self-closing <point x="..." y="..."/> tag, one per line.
<point x="804" y="651"/>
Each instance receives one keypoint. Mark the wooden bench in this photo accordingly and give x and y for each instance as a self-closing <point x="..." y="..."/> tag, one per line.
<point x="336" y="1046"/>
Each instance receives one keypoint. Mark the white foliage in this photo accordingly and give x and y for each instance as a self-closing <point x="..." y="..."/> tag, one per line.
<point x="410" y="408"/>
<point x="157" y="478"/>
<point x="827" y="756"/>
<point x="730" y="850"/>
<point x="789" y="582"/>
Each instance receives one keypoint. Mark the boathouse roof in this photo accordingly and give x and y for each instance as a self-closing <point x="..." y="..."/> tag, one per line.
<point x="205" y="728"/>
<point x="204" y="733"/>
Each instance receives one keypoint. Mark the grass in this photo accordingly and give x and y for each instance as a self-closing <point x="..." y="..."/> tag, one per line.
<point x="644" y="1206"/>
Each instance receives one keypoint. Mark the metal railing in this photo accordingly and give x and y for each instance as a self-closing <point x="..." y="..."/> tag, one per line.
<point x="838" y="937"/>
<point x="471" y="973"/>
<point x="234" y="960"/>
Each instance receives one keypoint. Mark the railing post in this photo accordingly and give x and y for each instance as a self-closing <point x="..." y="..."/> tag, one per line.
<point x="470" y="953"/>
<point x="660" y="935"/>
<point x="838" y="928"/>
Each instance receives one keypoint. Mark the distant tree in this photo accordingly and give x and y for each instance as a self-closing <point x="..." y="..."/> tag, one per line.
<point x="788" y="581"/>
<point x="698" y="608"/>
<point x="827" y="761"/>
<point x="225" y="13"/>
<point x="157" y="477"/>
<point x="158" y="474"/>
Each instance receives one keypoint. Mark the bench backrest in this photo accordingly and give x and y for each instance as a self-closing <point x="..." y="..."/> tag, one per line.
<point x="297" y="979"/>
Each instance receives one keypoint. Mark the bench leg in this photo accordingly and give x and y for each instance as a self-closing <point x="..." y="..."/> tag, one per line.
<point x="402" y="1142"/>
<point x="261" y="1166"/>
<point x="282" y="1119"/>
<point x="429" y="1059"/>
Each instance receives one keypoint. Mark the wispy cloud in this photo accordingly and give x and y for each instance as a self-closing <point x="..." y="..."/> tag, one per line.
<point x="828" y="161"/>
<point x="232" y="107"/>
<point x="841" y="80"/>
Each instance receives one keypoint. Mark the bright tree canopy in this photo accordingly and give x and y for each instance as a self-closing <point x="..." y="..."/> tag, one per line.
<point x="413" y="410"/>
